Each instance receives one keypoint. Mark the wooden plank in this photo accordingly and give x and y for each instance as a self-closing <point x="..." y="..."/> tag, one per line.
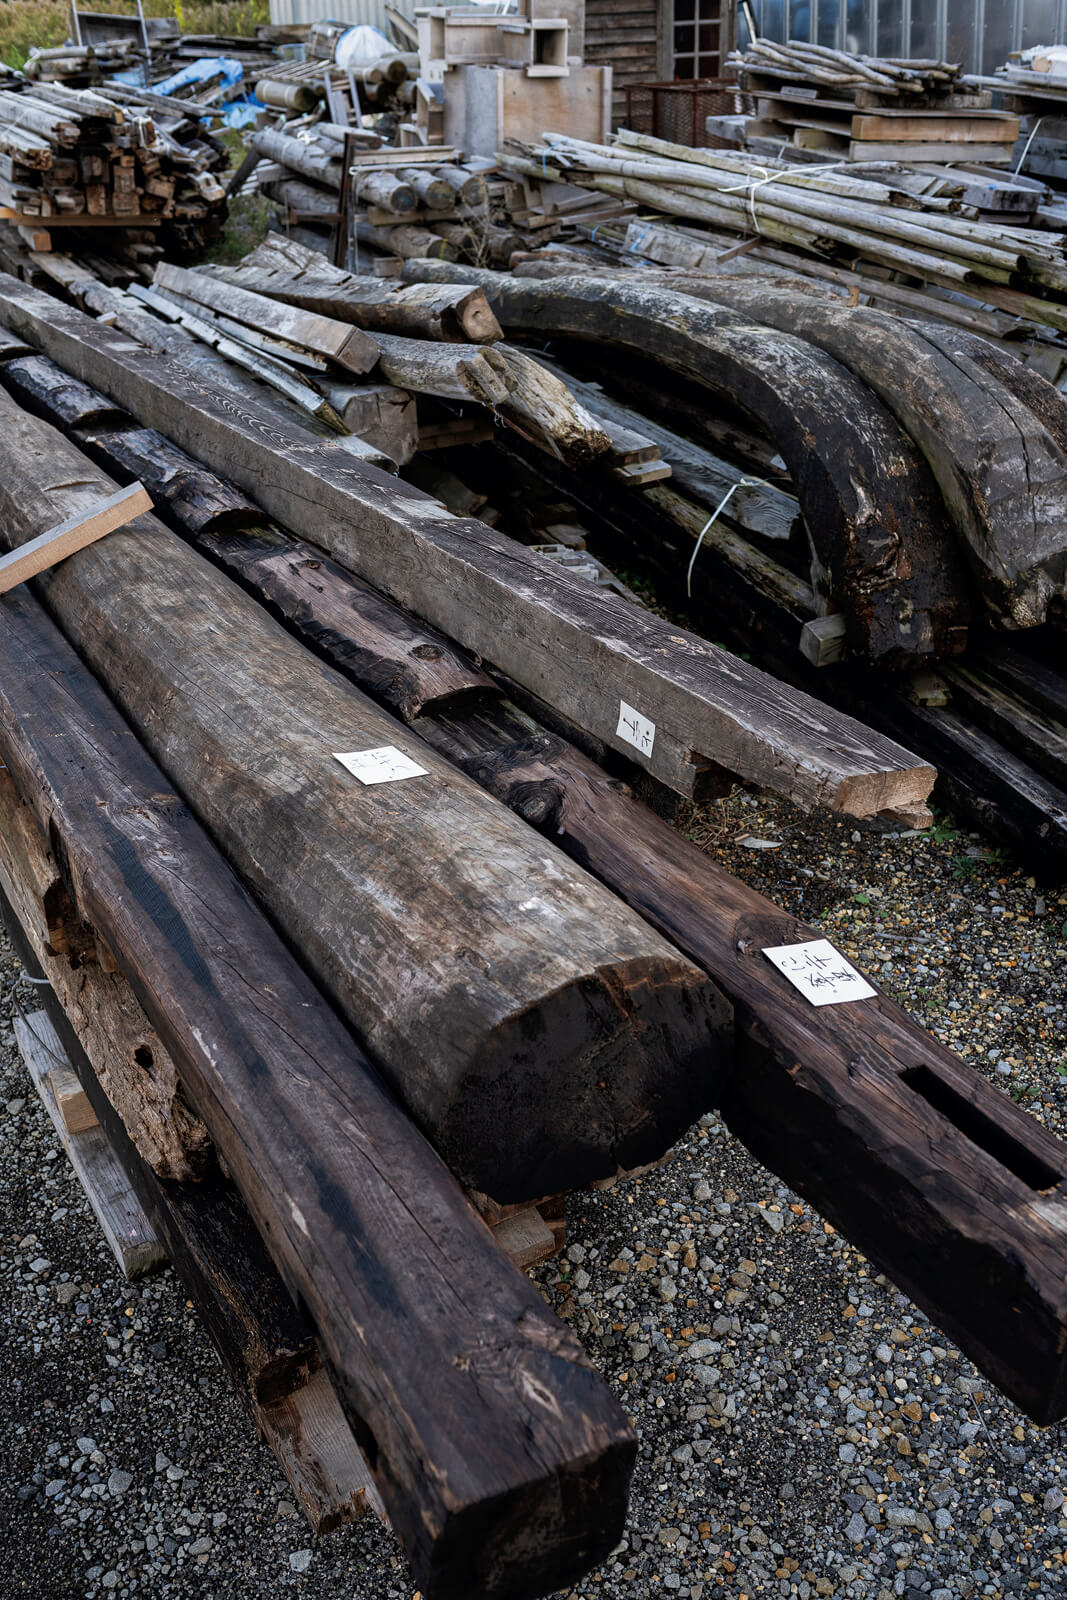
<point x="584" y="650"/>
<point x="502" y="1459"/>
<point x="348" y="347"/>
<point x="317" y="1451"/>
<point x="76" y="533"/>
<point x="990" y="126"/>
<point x="927" y="150"/>
<point x="128" y="1232"/>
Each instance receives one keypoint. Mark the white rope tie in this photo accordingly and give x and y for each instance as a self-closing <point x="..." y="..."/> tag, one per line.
<point x="742" y="483"/>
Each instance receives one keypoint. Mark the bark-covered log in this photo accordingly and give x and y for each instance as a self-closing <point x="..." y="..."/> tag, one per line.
<point x="502" y="1459"/>
<point x="583" y="650"/>
<point x="869" y="500"/>
<point x="1000" y="460"/>
<point x="538" y="1032"/>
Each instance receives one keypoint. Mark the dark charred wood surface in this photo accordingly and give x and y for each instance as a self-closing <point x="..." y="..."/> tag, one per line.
<point x="500" y="1455"/>
<point x="994" y="440"/>
<point x="540" y="1034"/>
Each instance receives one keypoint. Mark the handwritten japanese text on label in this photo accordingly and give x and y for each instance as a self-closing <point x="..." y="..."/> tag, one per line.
<point x="384" y="765"/>
<point x="820" y="972"/>
<point x="635" y="729"/>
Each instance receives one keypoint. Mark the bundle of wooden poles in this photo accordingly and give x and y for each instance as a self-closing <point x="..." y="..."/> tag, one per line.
<point x="835" y="213"/>
<point x="843" y="69"/>
<point x="92" y="159"/>
<point x="547" y="1006"/>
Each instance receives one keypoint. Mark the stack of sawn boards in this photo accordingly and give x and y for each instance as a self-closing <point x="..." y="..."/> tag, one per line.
<point x="535" y="1027"/>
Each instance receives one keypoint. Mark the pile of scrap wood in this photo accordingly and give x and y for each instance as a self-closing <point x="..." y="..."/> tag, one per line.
<point x="152" y="45"/>
<point x="549" y="978"/>
<point x="866" y="108"/>
<point x="852" y="513"/>
<point x="123" y="158"/>
<point x="352" y="352"/>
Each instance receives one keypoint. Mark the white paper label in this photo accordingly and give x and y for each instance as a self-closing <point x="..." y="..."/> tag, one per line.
<point x="820" y="972"/>
<point x="385" y="765"/>
<point x="635" y="729"/>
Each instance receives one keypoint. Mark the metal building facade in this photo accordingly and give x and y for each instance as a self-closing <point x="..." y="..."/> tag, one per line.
<point x="979" y="33"/>
<point x="352" y="11"/>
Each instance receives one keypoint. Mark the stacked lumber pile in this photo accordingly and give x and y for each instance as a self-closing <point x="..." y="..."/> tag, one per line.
<point x="388" y="201"/>
<point x="120" y="159"/>
<point x="498" y="1454"/>
<point x="1039" y="99"/>
<point x="865" y="108"/>
<point x="893" y="222"/>
<point x="749" y="537"/>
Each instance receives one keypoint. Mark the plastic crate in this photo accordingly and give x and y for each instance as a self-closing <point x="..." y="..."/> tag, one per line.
<point x="677" y="110"/>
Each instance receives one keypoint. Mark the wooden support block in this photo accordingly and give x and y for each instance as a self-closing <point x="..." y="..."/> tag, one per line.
<point x="72" y="535"/>
<point x="822" y="640"/>
<point x="317" y="1451"/>
<point x="525" y="1237"/>
<point x="73" y="1102"/>
<point x="125" y="1226"/>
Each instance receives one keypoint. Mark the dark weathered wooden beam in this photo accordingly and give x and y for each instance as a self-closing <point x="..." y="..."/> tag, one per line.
<point x="500" y="1455"/>
<point x="584" y="651"/>
<point x="886" y="558"/>
<point x="264" y="1341"/>
<point x="541" y="1035"/>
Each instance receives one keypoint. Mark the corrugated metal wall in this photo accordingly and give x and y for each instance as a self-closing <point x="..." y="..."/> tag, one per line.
<point x="979" y="33"/>
<point x="353" y="11"/>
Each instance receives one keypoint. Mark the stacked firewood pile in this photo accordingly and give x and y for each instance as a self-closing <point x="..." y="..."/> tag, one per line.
<point x="124" y="158"/>
<point x="547" y="976"/>
<point x="120" y="46"/>
<point x="866" y="108"/>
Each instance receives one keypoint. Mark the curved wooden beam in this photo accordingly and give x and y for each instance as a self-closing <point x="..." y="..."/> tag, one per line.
<point x="883" y="554"/>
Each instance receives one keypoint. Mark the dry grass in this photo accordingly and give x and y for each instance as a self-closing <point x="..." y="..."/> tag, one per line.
<point x="46" y="23"/>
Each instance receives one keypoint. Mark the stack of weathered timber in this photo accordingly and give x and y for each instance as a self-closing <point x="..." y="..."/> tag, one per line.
<point x="1039" y="100"/>
<point x="866" y="108"/>
<point x="865" y="523"/>
<point x="500" y="1458"/>
<point x="396" y="202"/>
<point x="955" y="235"/>
<point x="123" y="158"/>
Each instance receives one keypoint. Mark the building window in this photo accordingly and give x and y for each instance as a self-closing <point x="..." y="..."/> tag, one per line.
<point x="697" y="45"/>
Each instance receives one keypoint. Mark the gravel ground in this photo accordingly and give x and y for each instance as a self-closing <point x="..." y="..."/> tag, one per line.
<point x="804" y="1430"/>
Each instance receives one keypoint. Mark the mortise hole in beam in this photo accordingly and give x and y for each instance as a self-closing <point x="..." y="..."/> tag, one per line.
<point x="981" y="1129"/>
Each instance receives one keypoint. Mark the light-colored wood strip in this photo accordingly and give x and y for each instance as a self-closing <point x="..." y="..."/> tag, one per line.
<point x="73" y="535"/>
<point x="126" y="1228"/>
